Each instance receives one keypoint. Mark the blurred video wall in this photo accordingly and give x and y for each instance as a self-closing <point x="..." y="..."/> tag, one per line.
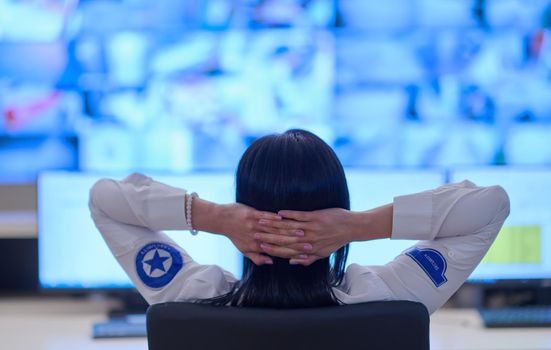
<point x="178" y="85"/>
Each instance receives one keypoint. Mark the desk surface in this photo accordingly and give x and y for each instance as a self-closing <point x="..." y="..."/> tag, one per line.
<point x="57" y="324"/>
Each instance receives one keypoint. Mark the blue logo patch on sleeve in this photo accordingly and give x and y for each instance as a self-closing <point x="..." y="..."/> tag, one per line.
<point x="432" y="262"/>
<point x="157" y="264"/>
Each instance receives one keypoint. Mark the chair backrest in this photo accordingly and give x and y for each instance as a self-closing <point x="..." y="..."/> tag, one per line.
<point x="374" y="325"/>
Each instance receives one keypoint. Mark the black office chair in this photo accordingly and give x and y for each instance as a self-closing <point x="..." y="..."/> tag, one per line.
<point x="375" y="325"/>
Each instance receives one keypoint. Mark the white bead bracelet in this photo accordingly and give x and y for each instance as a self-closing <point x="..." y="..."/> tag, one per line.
<point x="189" y="201"/>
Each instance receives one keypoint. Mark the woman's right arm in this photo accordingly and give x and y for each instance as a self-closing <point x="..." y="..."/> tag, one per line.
<point x="319" y="233"/>
<point x="456" y="224"/>
<point x="455" y="209"/>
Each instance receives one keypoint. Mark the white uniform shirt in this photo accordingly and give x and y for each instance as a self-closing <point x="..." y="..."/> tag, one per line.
<point x="455" y="225"/>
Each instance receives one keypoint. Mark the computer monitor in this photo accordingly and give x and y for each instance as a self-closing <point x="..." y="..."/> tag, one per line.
<point x="518" y="253"/>
<point x="73" y="255"/>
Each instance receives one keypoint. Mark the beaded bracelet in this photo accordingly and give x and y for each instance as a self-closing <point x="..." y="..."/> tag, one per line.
<point x="188" y="212"/>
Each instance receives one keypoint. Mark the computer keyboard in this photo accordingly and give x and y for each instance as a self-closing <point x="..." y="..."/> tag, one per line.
<point x="529" y="316"/>
<point x="130" y="326"/>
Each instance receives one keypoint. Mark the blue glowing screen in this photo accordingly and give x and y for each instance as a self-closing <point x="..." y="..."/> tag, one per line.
<point x="180" y="85"/>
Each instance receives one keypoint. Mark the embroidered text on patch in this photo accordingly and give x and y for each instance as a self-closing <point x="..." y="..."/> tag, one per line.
<point x="432" y="262"/>
<point x="157" y="264"/>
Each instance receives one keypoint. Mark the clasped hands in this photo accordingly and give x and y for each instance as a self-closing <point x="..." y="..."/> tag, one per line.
<point x="301" y="237"/>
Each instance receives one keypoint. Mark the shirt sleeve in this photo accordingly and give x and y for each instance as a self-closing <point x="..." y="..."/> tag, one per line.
<point x="130" y="215"/>
<point x="456" y="225"/>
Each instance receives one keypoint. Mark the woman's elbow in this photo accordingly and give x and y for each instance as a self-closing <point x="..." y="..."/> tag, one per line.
<point x="98" y="193"/>
<point x="503" y="203"/>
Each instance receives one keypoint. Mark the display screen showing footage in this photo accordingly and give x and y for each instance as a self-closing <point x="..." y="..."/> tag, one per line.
<point x="183" y="85"/>
<point x="519" y="251"/>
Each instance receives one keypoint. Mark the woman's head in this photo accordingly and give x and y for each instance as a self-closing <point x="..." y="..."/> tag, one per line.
<point x="295" y="170"/>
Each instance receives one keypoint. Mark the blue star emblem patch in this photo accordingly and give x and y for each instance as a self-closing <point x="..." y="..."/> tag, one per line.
<point x="157" y="264"/>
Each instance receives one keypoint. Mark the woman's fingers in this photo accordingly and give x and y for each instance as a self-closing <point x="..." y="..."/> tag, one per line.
<point x="296" y="215"/>
<point x="282" y="252"/>
<point x="276" y="239"/>
<point x="259" y="259"/>
<point x="283" y="224"/>
<point x="303" y="260"/>
<point x="266" y="215"/>
<point x="292" y="242"/>
<point x="279" y="231"/>
<point x="302" y="247"/>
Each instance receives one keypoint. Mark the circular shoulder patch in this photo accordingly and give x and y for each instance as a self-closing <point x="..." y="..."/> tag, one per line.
<point x="157" y="264"/>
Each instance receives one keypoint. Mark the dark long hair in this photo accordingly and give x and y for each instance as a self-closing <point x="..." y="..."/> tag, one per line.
<point x="295" y="170"/>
